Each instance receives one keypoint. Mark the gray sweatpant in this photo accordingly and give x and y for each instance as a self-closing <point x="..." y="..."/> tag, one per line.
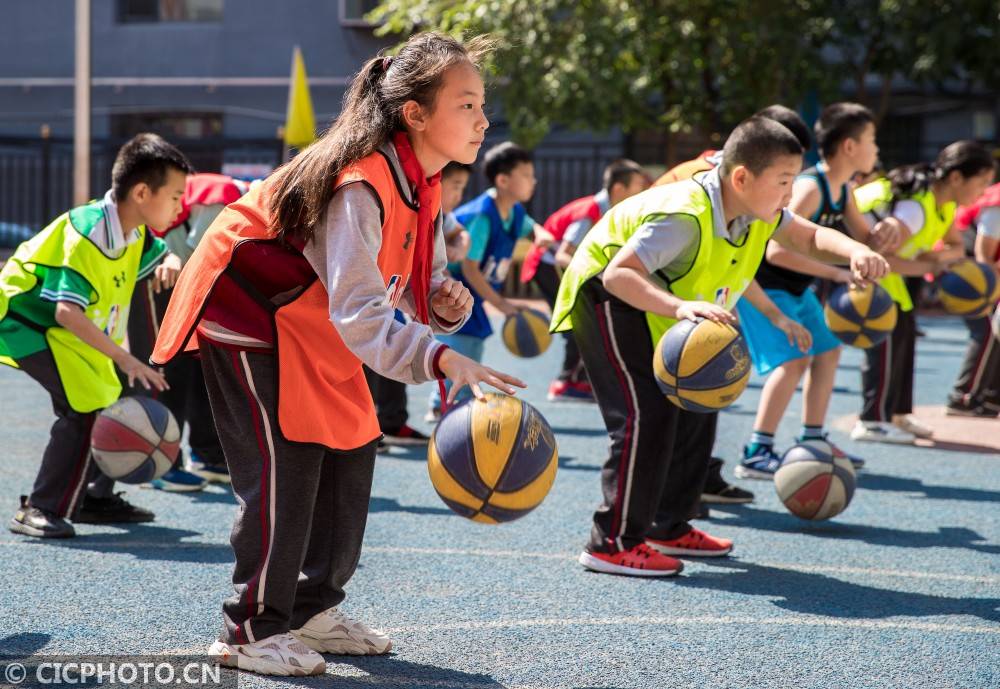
<point x="303" y="508"/>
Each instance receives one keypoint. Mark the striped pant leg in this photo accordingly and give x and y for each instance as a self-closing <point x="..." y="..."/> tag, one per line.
<point x="887" y="372"/>
<point x="972" y="374"/>
<point x="903" y="375"/>
<point x="692" y="457"/>
<point x="615" y="345"/>
<point x="276" y="484"/>
<point x="66" y="462"/>
<point x="338" y="528"/>
<point x="987" y="388"/>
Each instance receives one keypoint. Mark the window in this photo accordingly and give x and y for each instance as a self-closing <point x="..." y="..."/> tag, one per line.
<point x="144" y="11"/>
<point x="352" y="12"/>
<point x="170" y="125"/>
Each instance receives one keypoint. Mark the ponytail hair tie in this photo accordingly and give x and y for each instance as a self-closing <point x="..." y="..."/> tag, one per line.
<point x="386" y="62"/>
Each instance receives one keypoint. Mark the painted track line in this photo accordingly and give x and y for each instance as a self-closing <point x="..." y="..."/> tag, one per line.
<point x="706" y="620"/>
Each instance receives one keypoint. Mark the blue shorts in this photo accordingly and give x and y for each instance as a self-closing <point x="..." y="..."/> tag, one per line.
<point x="769" y="347"/>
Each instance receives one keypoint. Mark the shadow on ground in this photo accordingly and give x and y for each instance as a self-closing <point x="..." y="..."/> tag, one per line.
<point x="783" y="522"/>
<point x="817" y="594"/>
<point x="901" y="484"/>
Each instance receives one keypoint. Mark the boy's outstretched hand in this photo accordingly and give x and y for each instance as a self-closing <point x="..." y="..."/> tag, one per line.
<point x="135" y="370"/>
<point x="451" y="301"/>
<point x="868" y="266"/>
<point x="462" y="371"/>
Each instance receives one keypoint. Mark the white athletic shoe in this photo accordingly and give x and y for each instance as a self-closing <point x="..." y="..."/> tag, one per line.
<point x="881" y="432"/>
<point x="331" y="631"/>
<point x="911" y="424"/>
<point x="281" y="654"/>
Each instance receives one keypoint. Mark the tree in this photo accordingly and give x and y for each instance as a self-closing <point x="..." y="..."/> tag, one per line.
<point x="637" y="64"/>
<point x="951" y="45"/>
<point x="682" y="65"/>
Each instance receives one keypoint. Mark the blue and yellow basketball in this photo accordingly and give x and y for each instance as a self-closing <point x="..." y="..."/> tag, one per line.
<point x="492" y="460"/>
<point x="860" y="316"/>
<point x="702" y="366"/>
<point x="526" y="333"/>
<point x="969" y="289"/>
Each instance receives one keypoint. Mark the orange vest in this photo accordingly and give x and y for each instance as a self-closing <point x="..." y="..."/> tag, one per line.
<point x="687" y="169"/>
<point x="323" y="397"/>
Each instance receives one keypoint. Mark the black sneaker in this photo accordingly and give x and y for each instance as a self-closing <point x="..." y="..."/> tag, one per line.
<point x="730" y="495"/>
<point x="979" y="411"/>
<point x="34" y="521"/>
<point x="404" y="435"/>
<point x="113" y="510"/>
<point x="718" y="491"/>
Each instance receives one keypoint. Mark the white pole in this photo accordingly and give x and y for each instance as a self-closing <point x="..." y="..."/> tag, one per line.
<point x="81" y="106"/>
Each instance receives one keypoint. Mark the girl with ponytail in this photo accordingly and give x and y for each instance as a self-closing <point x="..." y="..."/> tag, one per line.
<point x="920" y="200"/>
<point x="292" y="290"/>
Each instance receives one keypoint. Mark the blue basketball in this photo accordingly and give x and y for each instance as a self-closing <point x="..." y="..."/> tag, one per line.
<point x="492" y="460"/>
<point x="860" y="317"/>
<point x="526" y="333"/>
<point x="969" y="289"/>
<point x="702" y="366"/>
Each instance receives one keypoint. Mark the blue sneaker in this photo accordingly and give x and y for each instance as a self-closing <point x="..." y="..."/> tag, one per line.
<point x="213" y="473"/>
<point x="178" y="481"/>
<point x="760" y="465"/>
<point x="856" y="462"/>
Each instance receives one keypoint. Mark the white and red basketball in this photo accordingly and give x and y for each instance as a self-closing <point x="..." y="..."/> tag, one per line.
<point x="812" y="483"/>
<point x="135" y="440"/>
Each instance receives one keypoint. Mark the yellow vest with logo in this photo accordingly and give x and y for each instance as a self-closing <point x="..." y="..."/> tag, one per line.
<point x="721" y="270"/>
<point x="88" y="377"/>
<point x="877" y="198"/>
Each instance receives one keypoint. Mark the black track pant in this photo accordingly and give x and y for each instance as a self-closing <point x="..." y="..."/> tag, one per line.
<point x="659" y="454"/>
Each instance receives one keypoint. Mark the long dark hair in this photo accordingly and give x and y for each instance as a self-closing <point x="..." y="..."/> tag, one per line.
<point x="968" y="158"/>
<point x="301" y="189"/>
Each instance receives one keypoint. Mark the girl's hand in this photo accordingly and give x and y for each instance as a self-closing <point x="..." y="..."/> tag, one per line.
<point x="797" y="335"/>
<point x="868" y="266"/>
<point x="886" y="237"/>
<point x="451" y="301"/>
<point x="165" y="275"/>
<point x="693" y="310"/>
<point x="462" y="371"/>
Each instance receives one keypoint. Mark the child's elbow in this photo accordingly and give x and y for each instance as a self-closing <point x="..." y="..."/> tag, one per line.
<point x="611" y="278"/>
<point x="64" y="312"/>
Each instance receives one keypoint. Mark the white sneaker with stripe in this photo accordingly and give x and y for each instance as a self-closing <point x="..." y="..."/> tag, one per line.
<point x="281" y="654"/>
<point x="331" y="631"/>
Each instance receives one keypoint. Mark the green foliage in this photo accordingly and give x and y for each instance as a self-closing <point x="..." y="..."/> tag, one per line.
<point x="702" y="64"/>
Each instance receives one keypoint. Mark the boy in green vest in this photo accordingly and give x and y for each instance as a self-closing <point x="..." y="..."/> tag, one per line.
<point x="681" y="251"/>
<point x="64" y="302"/>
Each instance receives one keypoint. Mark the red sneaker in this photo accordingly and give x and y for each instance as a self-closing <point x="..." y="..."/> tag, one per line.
<point x="695" y="543"/>
<point x="638" y="561"/>
<point x="565" y="391"/>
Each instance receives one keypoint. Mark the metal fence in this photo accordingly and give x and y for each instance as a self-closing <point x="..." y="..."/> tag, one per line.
<point x="36" y="175"/>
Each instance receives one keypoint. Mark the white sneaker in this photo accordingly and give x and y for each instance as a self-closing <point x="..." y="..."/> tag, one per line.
<point x="881" y="432"/>
<point x="281" y="654"/>
<point x="331" y="631"/>
<point x="911" y="424"/>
